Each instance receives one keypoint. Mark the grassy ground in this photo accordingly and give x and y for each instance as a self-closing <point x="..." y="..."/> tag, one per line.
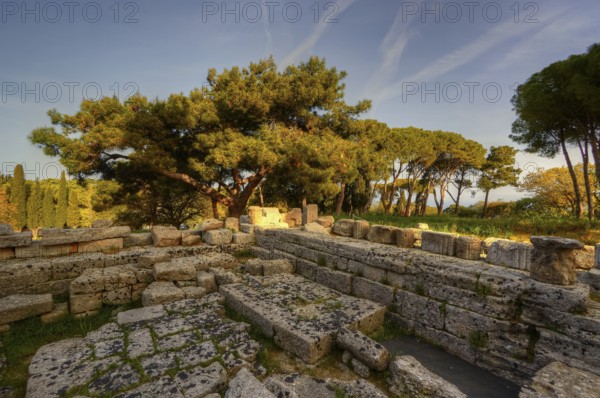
<point x="27" y="336"/>
<point x="509" y="228"/>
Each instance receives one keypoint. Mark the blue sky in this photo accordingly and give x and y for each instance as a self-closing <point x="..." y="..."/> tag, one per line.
<point x="435" y="65"/>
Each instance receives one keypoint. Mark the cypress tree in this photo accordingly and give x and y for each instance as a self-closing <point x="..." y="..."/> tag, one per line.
<point x="73" y="212"/>
<point x="34" y="207"/>
<point x="60" y="218"/>
<point x="48" y="209"/>
<point x="18" y="197"/>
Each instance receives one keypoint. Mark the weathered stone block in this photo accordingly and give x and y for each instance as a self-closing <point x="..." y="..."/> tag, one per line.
<point x="310" y="213"/>
<point x="360" y="229"/>
<point x="148" y="260"/>
<point x="194" y="292"/>
<point x="100" y="245"/>
<point x="293" y="217"/>
<point x="315" y="228"/>
<point x="374" y="291"/>
<point x="22" y="306"/>
<point x="57" y="236"/>
<point x="410" y="378"/>
<point x="5" y="229"/>
<point x="382" y="234"/>
<point x="166" y="236"/>
<point x="369" y="352"/>
<point x="91" y="281"/>
<point x="325" y="221"/>
<point x="242" y="238"/>
<point x="560" y="380"/>
<point x="510" y="254"/>
<point x="7" y="253"/>
<point x="36" y="249"/>
<point x="174" y="272"/>
<point x="553" y="259"/>
<point x="344" y="227"/>
<point x="232" y="223"/>
<point x="584" y="259"/>
<point x="244" y="219"/>
<point x="118" y="296"/>
<point x="468" y="247"/>
<point x="138" y="239"/>
<point x="191" y="240"/>
<point x="438" y="242"/>
<point x="210" y="224"/>
<point x="84" y="303"/>
<point x="337" y="280"/>
<point x="274" y="267"/>
<point x="161" y="293"/>
<point x="60" y="311"/>
<point x="217" y="237"/>
<point x="16" y="240"/>
<point x="420" y="309"/>
<point x="206" y="281"/>
<point x="405" y="237"/>
<point x="247" y="228"/>
<point x="244" y="384"/>
<point x="118" y="277"/>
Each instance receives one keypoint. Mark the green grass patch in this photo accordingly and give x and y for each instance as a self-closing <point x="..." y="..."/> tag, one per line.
<point x="389" y="331"/>
<point x="24" y="338"/>
<point x="478" y="339"/>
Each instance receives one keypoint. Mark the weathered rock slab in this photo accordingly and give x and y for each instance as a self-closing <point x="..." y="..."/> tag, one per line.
<point x="244" y="385"/>
<point x="410" y="378"/>
<point x="22" y="306"/>
<point x="369" y="352"/>
<point x="57" y="236"/>
<point x="161" y="293"/>
<point x="558" y="380"/>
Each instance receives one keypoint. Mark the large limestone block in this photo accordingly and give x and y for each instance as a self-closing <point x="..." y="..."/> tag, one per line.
<point x="191" y="240"/>
<point x="242" y="238"/>
<point x="264" y="215"/>
<point x="232" y="223"/>
<point x="361" y="229"/>
<point x="117" y="296"/>
<point x="174" y="271"/>
<point x="206" y="281"/>
<point x="510" y="254"/>
<point x="91" y="281"/>
<point x="6" y="229"/>
<point x="310" y="213"/>
<point x="315" y="228"/>
<point x="325" y="221"/>
<point x="16" y="240"/>
<point x="439" y="242"/>
<point x="405" y="237"/>
<point x="293" y="218"/>
<point x="161" y="293"/>
<point x="166" y="236"/>
<point x="139" y="239"/>
<point x="100" y="245"/>
<point x="22" y="306"/>
<point x="217" y="237"/>
<point x="382" y="234"/>
<point x="553" y="259"/>
<point x="585" y="258"/>
<point x="274" y="267"/>
<point x="369" y="352"/>
<point x="85" y="303"/>
<point x="468" y="247"/>
<point x="36" y="249"/>
<point x="57" y="236"/>
<point x="210" y="224"/>
<point x="344" y="227"/>
<point x="558" y="380"/>
<point x="410" y="378"/>
<point x="245" y="385"/>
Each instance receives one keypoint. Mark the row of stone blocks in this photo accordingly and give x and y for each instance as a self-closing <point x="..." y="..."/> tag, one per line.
<point x="502" y="252"/>
<point x="492" y="316"/>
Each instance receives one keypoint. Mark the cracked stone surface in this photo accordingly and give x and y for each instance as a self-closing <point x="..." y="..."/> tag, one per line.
<point x="303" y="317"/>
<point x="183" y="349"/>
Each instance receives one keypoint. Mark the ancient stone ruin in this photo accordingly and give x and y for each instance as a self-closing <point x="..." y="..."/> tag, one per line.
<point x="316" y="286"/>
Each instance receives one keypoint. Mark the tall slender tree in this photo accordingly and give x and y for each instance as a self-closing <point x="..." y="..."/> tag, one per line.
<point x="48" y="209"/>
<point x="498" y="171"/>
<point x="18" y="196"/>
<point x="73" y="212"/>
<point x="34" y="208"/>
<point x="60" y="218"/>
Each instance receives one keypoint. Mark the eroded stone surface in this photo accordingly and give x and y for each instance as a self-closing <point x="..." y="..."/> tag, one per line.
<point x="369" y="352"/>
<point x="558" y="380"/>
<point x="22" y="306"/>
<point x="409" y="377"/>
<point x="177" y="351"/>
<point x="302" y="316"/>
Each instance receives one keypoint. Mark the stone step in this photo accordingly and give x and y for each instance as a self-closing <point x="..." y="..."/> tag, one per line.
<point x="161" y="293"/>
<point x="22" y="306"/>
<point x="306" y="318"/>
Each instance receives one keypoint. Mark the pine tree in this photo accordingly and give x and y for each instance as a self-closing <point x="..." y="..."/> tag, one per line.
<point x="18" y="197"/>
<point x="34" y="207"/>
<point x="73" y="212"/>
<point x="60" y="218"/>
<point x="48" y="209"/>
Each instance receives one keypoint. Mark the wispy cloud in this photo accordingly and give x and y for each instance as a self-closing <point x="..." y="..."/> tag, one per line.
<point x="495" y="36"/>
<point x="309" y="42"/>
<point x="391" y="49"/>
